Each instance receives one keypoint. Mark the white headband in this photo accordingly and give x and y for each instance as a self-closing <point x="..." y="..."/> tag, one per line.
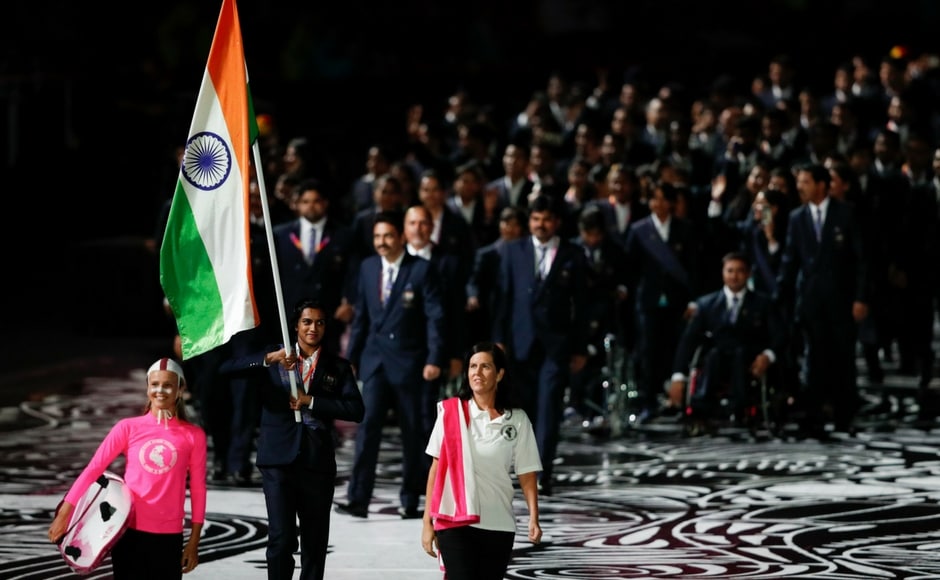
<point x="168" y="364"/>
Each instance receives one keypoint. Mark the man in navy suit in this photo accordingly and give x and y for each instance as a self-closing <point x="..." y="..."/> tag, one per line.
<point x="482" y="283"/>
<point x="740" y="331"/>
<point x="541" y="318"/>
<point x="313" y="256"/>
<point x="823" y="281"/>
<point x="606" y="296"/>
<point x="662" y="256"/>
<point x="514" y="187"/>
<point x="397" y="344"/>
<point x="622" y="209"/>
<point x="297" y="438"/>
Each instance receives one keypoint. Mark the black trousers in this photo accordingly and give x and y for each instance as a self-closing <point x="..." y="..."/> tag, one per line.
<point x="473" y="554"/>
<point x="301" y="491"/>
<point x="146" y="556"/>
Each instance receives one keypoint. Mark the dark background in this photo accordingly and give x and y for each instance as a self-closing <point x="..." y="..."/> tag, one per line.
<point x="95" y="99"/>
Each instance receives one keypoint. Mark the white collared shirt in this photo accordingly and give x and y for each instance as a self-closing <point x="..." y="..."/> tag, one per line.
<point x="307" y="231"/>
<point x="424" y="252"/>
<point x="466" y="209"/>
<point x="395" y="266"/>
<point x="729" y="297"/>
<point x="623" y="216"/>
<point x="498" y="447"/>
<point x="515" y="189"/>
<point x="822" y="208"/>
<point x="662" y="227"/>
<point x="551" y="248"/>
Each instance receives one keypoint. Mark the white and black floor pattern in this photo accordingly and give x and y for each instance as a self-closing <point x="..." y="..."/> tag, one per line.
<point x="647" y="503"/>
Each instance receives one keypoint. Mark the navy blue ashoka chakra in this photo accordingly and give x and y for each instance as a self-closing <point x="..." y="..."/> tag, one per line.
<point x="207" y="161"/>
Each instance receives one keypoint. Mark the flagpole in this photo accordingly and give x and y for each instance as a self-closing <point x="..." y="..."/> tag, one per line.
<point x="278" y="293"/>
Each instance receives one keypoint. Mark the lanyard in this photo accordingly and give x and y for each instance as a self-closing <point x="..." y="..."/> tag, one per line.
<point x="313" y="366"/>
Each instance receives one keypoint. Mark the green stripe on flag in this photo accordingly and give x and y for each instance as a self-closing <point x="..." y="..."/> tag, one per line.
<point x="196" y="300"/>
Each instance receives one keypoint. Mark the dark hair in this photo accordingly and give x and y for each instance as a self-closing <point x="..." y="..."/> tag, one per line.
<point x="312" y="184"/>
<point x="592" y="219"/>
<point x="545" y="202"/>
<point x="598" y="173"/>
<point x="786" y="173"/>
<point x="670" y="191"/>
<point x="395" y="218"/>
<point x="472" y="167"/>
<point x="777" y="198"/>
<point x="302" y="305"/>
<point x="388" y="178"/>
<point x="505" y="396"/>
<point x="817" y="171"/>
<point x="513" y="213"/>
<point x="737" y="257"/>
<point x="845" y="172"/>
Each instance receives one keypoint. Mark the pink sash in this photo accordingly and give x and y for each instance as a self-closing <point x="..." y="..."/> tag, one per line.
<point x="454" y="501"/>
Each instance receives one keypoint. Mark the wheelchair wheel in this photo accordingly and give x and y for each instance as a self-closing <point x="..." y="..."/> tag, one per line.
<point x="773" y="408"/>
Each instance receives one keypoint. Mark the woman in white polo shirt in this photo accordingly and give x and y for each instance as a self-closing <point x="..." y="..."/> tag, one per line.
<point x="479" y="438"/>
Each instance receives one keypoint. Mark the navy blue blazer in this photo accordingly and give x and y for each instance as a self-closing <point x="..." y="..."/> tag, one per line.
<point x="456" y="237"/>
<point x="668" y="271"/>
<point x="333" y="387"/>
<point x="453" y="272"/>
<point x="606" y="273"/>
<point x="484" y="274"/>
<point x="826" y="276"/>
<point x="552" y="311"/>
<point x="331" y="275"/>
<point x="484" y="231"/>
<point x="638" y="211"/>
<point x="758" y="327"/>
<point x="406" y="333"/>
<point x="503" y="192"/>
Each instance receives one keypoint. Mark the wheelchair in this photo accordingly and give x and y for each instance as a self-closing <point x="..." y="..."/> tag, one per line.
<point x="613" y="391"/>
<point x="763" y="410"/>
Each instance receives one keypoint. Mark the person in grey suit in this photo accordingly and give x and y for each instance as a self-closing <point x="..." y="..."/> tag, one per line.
<point x="541" y="320"/>
<point x="296" y="457"/>
<point x="824" y="277"/>
<point x="397" y="345"/>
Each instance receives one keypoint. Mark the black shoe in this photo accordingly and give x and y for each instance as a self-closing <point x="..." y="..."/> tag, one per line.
<point x="409" y="513"/>
<point x="220" y="476"/>
<point x="813" y="431"/>
<point x="353" y="509"/>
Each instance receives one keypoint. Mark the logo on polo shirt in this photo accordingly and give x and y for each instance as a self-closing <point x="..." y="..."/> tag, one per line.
<point x="157" y="456"/>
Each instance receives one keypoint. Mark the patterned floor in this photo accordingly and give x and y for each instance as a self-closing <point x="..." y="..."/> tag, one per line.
<point x="645" y="503"/>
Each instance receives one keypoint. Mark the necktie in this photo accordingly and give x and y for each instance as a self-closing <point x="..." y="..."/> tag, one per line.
<point x="733" y="309"/>
<point x="387" y="288"/>
<point x="817" y="222"/>
<point x="540" y="265"/>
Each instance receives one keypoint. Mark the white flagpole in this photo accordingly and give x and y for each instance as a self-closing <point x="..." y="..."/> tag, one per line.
<point x="288" y="345"/>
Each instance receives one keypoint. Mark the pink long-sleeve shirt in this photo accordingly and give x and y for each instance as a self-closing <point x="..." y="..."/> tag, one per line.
<point x="159" y="458"/>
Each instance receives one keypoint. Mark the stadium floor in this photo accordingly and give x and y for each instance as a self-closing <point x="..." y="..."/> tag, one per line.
<point x="646" y="502"/>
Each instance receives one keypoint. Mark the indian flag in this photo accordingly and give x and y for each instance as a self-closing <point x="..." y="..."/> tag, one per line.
<point x="205" y="266"/>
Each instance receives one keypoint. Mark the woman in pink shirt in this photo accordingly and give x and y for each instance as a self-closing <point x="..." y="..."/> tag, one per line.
<point x="162" y="450"/>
